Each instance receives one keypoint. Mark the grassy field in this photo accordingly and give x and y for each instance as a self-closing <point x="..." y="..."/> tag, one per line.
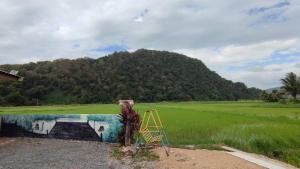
<point x="271" y="129"/>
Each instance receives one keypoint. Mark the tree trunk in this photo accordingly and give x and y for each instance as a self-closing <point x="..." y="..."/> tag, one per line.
<point x="127" y="135"/>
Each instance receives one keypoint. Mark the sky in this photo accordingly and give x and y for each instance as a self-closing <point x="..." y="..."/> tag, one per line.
<point x="252" y="41"/>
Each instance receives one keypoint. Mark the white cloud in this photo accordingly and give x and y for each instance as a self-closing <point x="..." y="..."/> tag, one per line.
<point x="216" y="32"/>
<point x="139" y="19"/>
<point x="268" y="77"/>
<point x="236" y="55"/>
<point x="240" y="55"/>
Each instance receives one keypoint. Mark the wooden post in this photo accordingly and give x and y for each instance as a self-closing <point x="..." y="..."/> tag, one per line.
<point x="127" y="135"/>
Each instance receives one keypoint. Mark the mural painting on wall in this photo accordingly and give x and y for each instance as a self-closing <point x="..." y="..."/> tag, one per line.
<point x="97" y="127"/>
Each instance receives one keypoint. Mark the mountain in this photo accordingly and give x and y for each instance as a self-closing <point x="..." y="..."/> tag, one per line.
<point x="274" y="88"/>
<point x="144" y="75"/>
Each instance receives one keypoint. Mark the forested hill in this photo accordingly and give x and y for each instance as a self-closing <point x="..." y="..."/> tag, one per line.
<point x="144" y="75"/>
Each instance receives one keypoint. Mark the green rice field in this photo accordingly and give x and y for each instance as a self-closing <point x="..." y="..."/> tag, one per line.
<point x="271" y="129"/>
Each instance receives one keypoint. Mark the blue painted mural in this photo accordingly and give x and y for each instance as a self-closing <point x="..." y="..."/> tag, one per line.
<point x="97" y="127"/>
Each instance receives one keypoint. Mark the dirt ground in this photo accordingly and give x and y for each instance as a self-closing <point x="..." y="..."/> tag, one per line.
<point x="201" y="159"/>
<point x="17" y="153"/>
<point x="4" y="141"/>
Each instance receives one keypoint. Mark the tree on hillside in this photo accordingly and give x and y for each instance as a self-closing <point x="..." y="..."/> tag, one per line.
<point x="143" y="75"/>
<point x="291" y="84"/>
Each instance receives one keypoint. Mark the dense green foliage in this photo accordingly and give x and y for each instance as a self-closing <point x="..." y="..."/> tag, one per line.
<point x="274" y="96"/>
<point x="144" y="75"/>
<point x="271" y="129"/>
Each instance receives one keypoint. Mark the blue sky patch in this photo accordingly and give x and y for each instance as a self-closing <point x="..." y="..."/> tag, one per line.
<point x="141" y="15"/>
<point x="271" y="14"/>
<point x="255" y="11"/>
<point x="111" y="48"/>
<point x="270" y="17"/>
<point x="75" y="46"/>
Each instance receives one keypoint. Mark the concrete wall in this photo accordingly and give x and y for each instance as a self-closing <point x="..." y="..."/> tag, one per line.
<point x="105" y="126"/>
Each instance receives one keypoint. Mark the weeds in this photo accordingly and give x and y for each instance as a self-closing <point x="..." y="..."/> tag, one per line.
<point x="141" y="155"/>
<point x="117" y="153"/>
<point x="145" y="155"/>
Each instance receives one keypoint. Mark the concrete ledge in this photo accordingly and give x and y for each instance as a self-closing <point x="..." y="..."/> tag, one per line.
<point x="258" y="159"/>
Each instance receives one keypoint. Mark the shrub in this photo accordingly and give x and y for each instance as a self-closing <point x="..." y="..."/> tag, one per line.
<point x="130" y="121"/>
<point x="283" y="101"/>
<point x="275" y="96"/>
<point x="15" y="98"/>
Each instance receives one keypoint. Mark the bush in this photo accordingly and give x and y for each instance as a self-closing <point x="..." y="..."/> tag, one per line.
<point x="2" y="101"/>
<point x="275" y="96"/>
<point x="295" y="101"/>
<point x="16" y="99"/>
<point x="283" y="101"/>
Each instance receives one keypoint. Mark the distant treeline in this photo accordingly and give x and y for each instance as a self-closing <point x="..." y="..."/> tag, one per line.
<point x="144" y="75"/>
<point x="290" y="90"/>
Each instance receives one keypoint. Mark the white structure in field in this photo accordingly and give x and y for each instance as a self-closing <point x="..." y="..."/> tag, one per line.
<point x="122" y="102"/>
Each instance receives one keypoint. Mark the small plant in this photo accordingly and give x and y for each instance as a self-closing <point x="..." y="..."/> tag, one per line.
<point x="130" y="121"/>
<point x="117" y="153"/>
<point x="140" y="155"/>
<point x="145" y="155"/>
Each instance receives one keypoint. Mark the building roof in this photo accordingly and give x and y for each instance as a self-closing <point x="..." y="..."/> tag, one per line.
<point x="7" y="76"/>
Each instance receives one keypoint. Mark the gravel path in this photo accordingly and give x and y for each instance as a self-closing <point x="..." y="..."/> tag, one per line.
<point x="34" y="153"/>
<point x="29" y="153"/>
